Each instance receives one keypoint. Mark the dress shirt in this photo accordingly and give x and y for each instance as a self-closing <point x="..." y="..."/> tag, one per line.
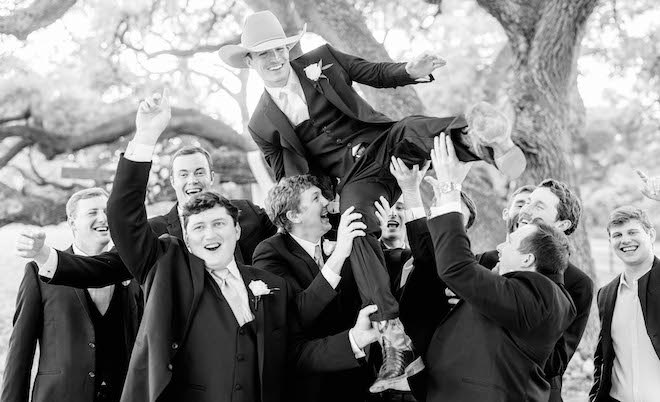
<point x="636" y="368"/>
<point x="235" y="280"/>
<point x="309" y="247"/>
<point x="100" y="296"/>
<point x="291" y="99"/>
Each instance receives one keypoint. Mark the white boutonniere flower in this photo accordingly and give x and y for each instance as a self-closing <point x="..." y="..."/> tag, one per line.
<point x="328" y="246"/>
<point x="315" y="71"/>
<point x="259" y="288"/>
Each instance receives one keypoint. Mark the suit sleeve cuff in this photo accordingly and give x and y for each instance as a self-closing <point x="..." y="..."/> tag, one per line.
<point x="332" y="278"/>
<point x="139" y="152"/>
<point x="359" y="353"/>
<point x="48" y="268"/>
<point x="415" y="213"/>
<point x="454" y="206"/>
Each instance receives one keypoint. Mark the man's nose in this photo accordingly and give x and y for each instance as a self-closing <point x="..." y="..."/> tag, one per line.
<point x="324" y="201"/>
<point x="499" y="247"/>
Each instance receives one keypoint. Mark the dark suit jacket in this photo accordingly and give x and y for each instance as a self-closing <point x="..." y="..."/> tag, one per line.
<point x="324" y="311"/>
<point x="173" y="281"/>
<point x="649" y="299"/>
<point x="255" y="227"/>
<point x="275" y="136"/>
<point x="581" y="289"/>
<point x="494" y="344"/>
<point x="57" y="317"/>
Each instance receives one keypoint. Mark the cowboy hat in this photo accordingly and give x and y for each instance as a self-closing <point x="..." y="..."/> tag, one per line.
<point x="261" y="31"/>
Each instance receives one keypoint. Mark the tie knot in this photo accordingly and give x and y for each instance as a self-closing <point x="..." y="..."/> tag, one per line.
<point x="223" y="274"/>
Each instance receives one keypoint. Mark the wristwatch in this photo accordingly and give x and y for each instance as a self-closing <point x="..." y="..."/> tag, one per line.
<point x="448" y="186"/>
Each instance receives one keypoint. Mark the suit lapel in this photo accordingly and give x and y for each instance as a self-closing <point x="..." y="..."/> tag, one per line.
<point x="281" y="122"/>
<point x="174" y="222"/>
<point x="649" y="288"/>
<point x="326" y="89"/>
<point x="258" y="311"/>
<point x="197" y="269"/>
<point x="297" y="250"/>
<point x="609" y="300"/>
<point x="80" y="293"/>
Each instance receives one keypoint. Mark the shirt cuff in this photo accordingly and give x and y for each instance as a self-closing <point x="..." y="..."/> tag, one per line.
<point x="139" y="152"/>
<point x="454" y="206"/>
<point x="359" y="353"/>
<point x="332" y="278"/>
<point x="48" y="268"/>
<point x="415" y="213"/>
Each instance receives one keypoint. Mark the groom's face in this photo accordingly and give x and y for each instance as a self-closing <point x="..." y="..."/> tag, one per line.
<point x="272" y="65"/>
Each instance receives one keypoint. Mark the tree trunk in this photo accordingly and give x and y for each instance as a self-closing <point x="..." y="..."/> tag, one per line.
<point x="23" y="21"/>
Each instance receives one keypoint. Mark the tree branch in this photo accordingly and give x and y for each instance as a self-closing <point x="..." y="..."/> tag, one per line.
<point x="39" y="14"/>
<point x="14" y="150"/>
<point x="23" y="116"/>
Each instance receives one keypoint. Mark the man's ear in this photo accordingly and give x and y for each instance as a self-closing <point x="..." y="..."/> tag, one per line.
<point x="248" y="60"/>
<point x="529" y="260"/>
<point x="238" y="230"/>
<point x="505" y="214"/>
<point x="212" y="176"/>
<point x="652" y="234"/>
<point x="292" y="216"/>
<point x="563" y="225"/>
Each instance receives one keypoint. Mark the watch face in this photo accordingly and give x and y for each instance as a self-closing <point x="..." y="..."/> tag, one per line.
<point x="446" y="187"/>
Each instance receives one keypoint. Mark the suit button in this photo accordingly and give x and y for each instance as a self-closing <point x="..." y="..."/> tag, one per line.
<point x="338" y="140"/>
<point x="240" y="357"/>
<point x="91" y="374"/>
<point x="241" y="331"/>
<point x="169" y="366"/>
<point x="324" y="128"/>
<point x="91" y="345"/>
<point x="175" y="346"/>
<point x="349" y="145"/>
<point x="238" y="387"/>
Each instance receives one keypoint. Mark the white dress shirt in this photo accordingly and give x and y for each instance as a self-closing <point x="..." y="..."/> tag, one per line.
<point x="636" y="369"/>
<point x="291" y="99"/>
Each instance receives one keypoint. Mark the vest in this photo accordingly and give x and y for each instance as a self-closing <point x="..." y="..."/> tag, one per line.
<point x="110" y="347"/>
<point x="218" y="360"/>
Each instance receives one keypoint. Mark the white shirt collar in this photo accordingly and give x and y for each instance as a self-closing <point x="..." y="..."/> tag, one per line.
<point x="624" y="282"/>
<point x="78" y="251"/>
<point x="232" y="267"/>
<point x="308" y="246"/>
<point x="292" y="84"/>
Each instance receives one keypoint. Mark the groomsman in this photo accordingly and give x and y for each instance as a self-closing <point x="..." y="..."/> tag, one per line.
<point x="493" y="345"/>
<point x="627" y="358"/>
<point x="311" y="120"/>
<point x="322" y="285"/>
<point x="85" y="336"/>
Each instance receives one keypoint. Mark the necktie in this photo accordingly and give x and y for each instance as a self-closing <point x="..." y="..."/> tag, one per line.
<point x="227" y="287"/>
<point x="293" y="106"/>
<point x="318" y="256"/>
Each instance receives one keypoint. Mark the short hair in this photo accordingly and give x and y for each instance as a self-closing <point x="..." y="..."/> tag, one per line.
<point x="72" y="203"/>
<point x="569" y="206"/>
<point x="627" y="213"/>
<point x="549" y="247"/>
<point x="523" y="189"/>
<point x="204" y="201"/>
<point x="483" y="117"/>
<point x="472" y="208"/>
<point x="191" y="150"/>
<point x="285" y="197"/>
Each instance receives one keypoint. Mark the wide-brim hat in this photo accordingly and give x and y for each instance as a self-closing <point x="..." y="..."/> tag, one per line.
<point x="261" y="31"/>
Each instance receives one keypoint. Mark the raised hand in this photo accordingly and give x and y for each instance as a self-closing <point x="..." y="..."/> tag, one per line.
<point x="31" y="244"/>
<point x="408" y="179"/>
<point x="152" y="117"/>
<point x="424" y="64"/>
<point x="448" y="168"/>
<point x="363" y="332"/>
<point x="651" y="188"/>
<point x="383" y="210"/>
<point x="349" y="228"/>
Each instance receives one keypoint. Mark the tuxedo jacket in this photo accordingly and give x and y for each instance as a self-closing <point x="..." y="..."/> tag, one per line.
<point x="581" y="289"/>
<point x="649" y="299"/>
<point x="324" y="311"/>
<point x="275" y="135"/>
<point x="173" y="281"/>
<point x="494" y="344"/>
<point x="58" y="318"/>
<point x="255" y="227"/>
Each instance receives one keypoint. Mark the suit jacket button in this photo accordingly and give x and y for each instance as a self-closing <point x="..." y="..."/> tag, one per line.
<point x="338" y="140"/>
<point x="91" y="345"/>
<point x="349" y="145"/>
<point x="169" y="366"/>
<point x="241" y="331"/>
<point x="91" y="374"/>
<point x="238" y="387"/>
<point x="240" y="357"/>
<point x="175" y="346"/>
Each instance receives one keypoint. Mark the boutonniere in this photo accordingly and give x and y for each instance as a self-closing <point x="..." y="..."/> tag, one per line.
<point x="315" y="72"/>
<point x="328" y="247"/>
<point x="259" y="288"/>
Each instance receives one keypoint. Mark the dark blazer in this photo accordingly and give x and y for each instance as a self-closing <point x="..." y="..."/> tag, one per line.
<point x="324" y="311"/>
<point x="648" y="289"/>
<point x="275" y="136"/>
<point x="255" y="227"/>
<point x="581" y="289"/>
<point x="173" y="281"/>
<point x="58" y="318"/>
<point x="494" y="344"/>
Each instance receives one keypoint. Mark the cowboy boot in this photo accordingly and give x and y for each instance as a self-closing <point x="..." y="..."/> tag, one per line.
<point x="489" y="136"/>
<point x="399" y="359"/>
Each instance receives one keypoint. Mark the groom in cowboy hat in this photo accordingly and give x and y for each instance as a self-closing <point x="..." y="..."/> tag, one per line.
<point x="311" y="121"/>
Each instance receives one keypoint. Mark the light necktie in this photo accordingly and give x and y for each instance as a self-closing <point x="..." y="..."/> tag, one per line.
<point x="293" y="106"/>
<point x="318" y="256"/>
<point x="232" y="297"/>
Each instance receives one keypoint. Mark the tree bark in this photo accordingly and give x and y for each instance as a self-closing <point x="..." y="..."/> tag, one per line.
<point x="39" y="14"/>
